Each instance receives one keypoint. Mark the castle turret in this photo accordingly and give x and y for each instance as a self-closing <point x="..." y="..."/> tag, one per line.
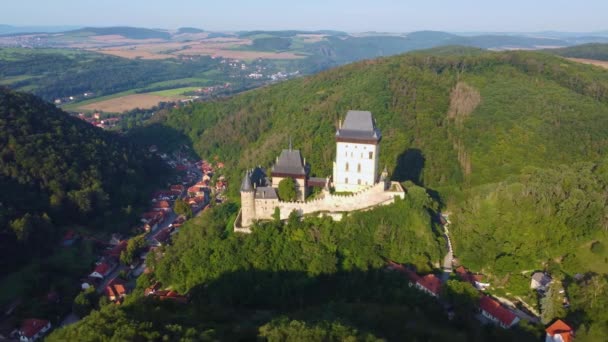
<point x="384" y="178"/>
<point x="247" y="201"/>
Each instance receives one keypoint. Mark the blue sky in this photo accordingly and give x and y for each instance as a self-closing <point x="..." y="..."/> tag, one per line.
<point x="353" y="15"/>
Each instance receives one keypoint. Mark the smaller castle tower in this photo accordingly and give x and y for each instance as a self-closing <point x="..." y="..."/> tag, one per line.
<point x="247" y="201"/>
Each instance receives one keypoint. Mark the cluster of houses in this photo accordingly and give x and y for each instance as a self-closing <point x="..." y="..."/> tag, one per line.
<point x="154" y="291"/>
<point x="97" y="121"/>
<point x="489" y="308"/>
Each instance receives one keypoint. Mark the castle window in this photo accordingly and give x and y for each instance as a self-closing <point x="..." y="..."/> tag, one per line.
<point x="358" y="167"/>
<point x="359" y="181"/>
<point x="346" y="153"/>
<point x="371" y="155"/>
<point x="346" y="168"/>
<point x="346" y="180"/>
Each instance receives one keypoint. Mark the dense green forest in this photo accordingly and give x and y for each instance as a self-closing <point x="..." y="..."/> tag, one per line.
<point x="312" y="280"/>
<point x="512" y="143"/>
<point x="58" y="171"/>
<point x="590" y="51"/>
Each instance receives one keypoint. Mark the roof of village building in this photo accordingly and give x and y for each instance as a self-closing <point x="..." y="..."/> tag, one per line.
<point x="492" y="307"/>
<point x="359" y="125"/>
<point x="32" y="326"/>
<point x="541" y="278"/>
<point x="290" y="162"/>
<point x="559" y="328"/>
<point x="431" y="283"/>
<point x="102" y="268"/>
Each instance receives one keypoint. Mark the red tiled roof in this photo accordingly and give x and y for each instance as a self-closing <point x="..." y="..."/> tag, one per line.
<point x="162" y="205"/>
<point x="431" y="283"/>
<point x="559" y="327"/>
<point x="465" y="275"/>
<point x="32" y="326"/>
<point x="494" y="309"/>
<point x="116" y="288"/>
<point x="177" y="187"/>
<point x="102" y="268"/>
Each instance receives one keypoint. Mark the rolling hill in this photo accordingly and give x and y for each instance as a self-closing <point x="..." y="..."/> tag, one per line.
<point x="594" y="51"/>
<point x="58" y="171"/>
<point x="463" y="124"/>
<point x="513" y="144"/>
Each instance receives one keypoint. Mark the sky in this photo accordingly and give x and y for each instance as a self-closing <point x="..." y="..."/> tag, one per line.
<point x="344" y="15"/>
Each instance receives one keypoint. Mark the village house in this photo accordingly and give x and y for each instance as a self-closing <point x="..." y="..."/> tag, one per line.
<point x="115" y="290"/>
<point x="559" y="331"/>
<point x="177" y="188"/>
<point x="171" y="295"/>
<point x="198" y="189"/>
<point x="429" y="283"/>
<point x="540" y="281"/>
<point x="162" y="206"/>
<point x="115" y="251"/>
<point x="115" y="239"/>
<point x="33" y="329"/>
<point x="102" y="270"/>
<point x="162" y="237"/>
<point x="475" y="279"/>
<point x="492" y="310"/>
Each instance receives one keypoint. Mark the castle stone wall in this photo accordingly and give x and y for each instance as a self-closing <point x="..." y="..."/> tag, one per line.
<point x="369" y="197"/>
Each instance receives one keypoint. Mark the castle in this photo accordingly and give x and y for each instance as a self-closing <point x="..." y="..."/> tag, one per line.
<point x="355" y="178"/>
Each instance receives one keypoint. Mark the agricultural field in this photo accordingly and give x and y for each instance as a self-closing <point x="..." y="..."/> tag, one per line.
<point x="129" y="102"/>
<point x="601" y="64"/>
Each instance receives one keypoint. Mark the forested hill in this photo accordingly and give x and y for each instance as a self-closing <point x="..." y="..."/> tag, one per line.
<point x="513" y="143"/>
<point x="589" y="51"/>
<point x="464" y="118"/>
<point x="57" y="171"/>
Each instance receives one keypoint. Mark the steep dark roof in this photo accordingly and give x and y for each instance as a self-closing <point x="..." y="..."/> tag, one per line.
<point x="359" y="125"/>
<point x="290" y="162"/>
<point x="246" y="184"/>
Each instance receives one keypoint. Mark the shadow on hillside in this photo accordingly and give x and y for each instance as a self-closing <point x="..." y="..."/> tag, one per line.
<point x="165" y="137"/>
<point x="409" y="167"/>
<point x="378" y="302"/>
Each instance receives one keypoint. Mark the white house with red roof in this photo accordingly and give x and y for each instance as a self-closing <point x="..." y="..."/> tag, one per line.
<point x="33" y="329"/>
<point x="559" y="331"/>
<point x="429" y="284"/>
<point x="497" y="313"/>
<point x="102" y="270"/>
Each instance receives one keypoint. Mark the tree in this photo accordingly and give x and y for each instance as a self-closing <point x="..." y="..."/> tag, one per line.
<point x="83" y="303"/>
<point x="182" y="208"/>
<point x="134" y="247"/>
<point x="287" y="189"/>
<point x="462" y="295"/>
<point x="551" y="304"/>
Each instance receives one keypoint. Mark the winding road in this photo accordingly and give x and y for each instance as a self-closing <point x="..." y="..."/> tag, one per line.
<point x="447" y="260"/>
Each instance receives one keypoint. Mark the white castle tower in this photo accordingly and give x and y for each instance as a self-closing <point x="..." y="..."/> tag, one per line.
<point x="357" y="149"/>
